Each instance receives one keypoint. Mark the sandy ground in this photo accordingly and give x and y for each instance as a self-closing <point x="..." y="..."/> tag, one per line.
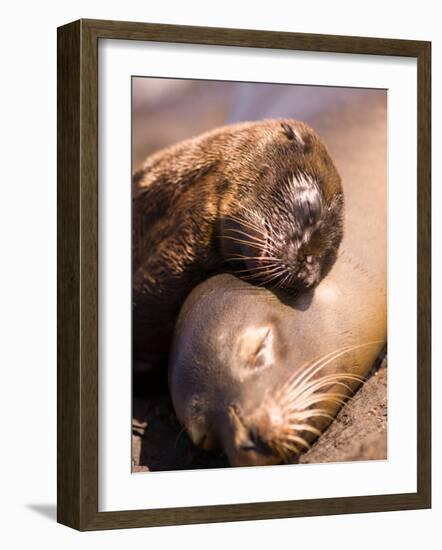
<point x="359" y="432"/>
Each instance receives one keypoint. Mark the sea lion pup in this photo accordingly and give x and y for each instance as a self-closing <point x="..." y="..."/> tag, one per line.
<point x="260" y="375"/>
<point x="262" y="199"/>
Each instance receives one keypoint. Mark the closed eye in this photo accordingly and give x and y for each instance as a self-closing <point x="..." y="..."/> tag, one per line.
<point x="263" y="355"/>
<point x="256" y="348"/>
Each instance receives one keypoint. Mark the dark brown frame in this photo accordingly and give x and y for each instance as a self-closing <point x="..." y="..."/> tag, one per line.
<point x="78" y="268"/>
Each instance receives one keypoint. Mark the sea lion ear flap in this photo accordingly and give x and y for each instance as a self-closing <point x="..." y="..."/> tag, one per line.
<point x="292" y="134"/>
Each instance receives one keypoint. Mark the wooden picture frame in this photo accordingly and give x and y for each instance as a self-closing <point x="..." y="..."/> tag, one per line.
<point x="77" y="433"/>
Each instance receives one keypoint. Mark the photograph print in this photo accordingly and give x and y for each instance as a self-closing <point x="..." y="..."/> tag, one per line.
<point x="259" y="274"/>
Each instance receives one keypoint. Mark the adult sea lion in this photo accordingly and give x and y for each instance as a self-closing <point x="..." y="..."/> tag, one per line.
<point x="260" y="374"/>
<point x="262" y="199"/>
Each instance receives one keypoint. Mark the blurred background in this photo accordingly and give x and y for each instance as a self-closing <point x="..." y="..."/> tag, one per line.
<point x="165" y="111"/>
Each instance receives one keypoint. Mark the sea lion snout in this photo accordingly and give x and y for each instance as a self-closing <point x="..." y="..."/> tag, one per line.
<point x="289" y="240"/>
<point x="304" y="268"/>
<point x="245" y="444"/>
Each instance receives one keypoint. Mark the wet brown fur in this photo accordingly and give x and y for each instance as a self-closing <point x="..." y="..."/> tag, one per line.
<point x="181" y="196"/>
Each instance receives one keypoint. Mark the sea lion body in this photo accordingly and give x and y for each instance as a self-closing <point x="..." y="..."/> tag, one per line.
<point x="263" y="200"/>
<point x="249" y="366"/>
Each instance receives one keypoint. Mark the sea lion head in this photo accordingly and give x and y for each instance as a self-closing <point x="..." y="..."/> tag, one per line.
<point x="237" y="381"/>
<point x="286" y="223"/>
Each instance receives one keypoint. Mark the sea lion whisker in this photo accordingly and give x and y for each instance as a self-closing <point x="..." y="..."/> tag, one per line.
<point x="285" y="453"/>
<point x="333" y="398"/>
<point x="310" y="413"/>
<point x="269" y="236"/>
<point x="309" y="372"/>
<point x="243" y="257"/>
<point x="241" y="241"/>
<point x="304" y="427"/>
<point x="275" y="285"/>
<point x="330" y="378"/>
<point x="253" y="242"/>
<point x="279" y="283"/>
<point x="287" y="446"/>
<point x="327" y="380"/>
<point x="257" y="268"/>
<point x="342" y="352"/>
<point x="311" y="399"/>
<point x="325" y="383"/>
<point x="266" y="276"/>
<point x="254" y="226"/>
<point x="283" y="281"/>
<point x="276" y="446"/>
<point x="269" y="279"/>
<point x="309" y="366"/>
<point x="319" y="364"/>
<point x="306" y="371"/>
<point x="253" y="238"/>
<point x="265" y="269"/>
<point x="257" y="224"/>
<point x="257" y="229"/>
<point x="251" y="223"/>
<point x="265" y="280"/>
<point x="321" y="395"/>
<point x="334" y="378"/>
<point x="250" y="211"/>
<point x="280" y="453"/>
<point x="297" y="439"/>
<point x="277" y="275"/>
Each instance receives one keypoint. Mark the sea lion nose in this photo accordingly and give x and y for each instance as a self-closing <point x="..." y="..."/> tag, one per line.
<point x="309" y="273"/>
